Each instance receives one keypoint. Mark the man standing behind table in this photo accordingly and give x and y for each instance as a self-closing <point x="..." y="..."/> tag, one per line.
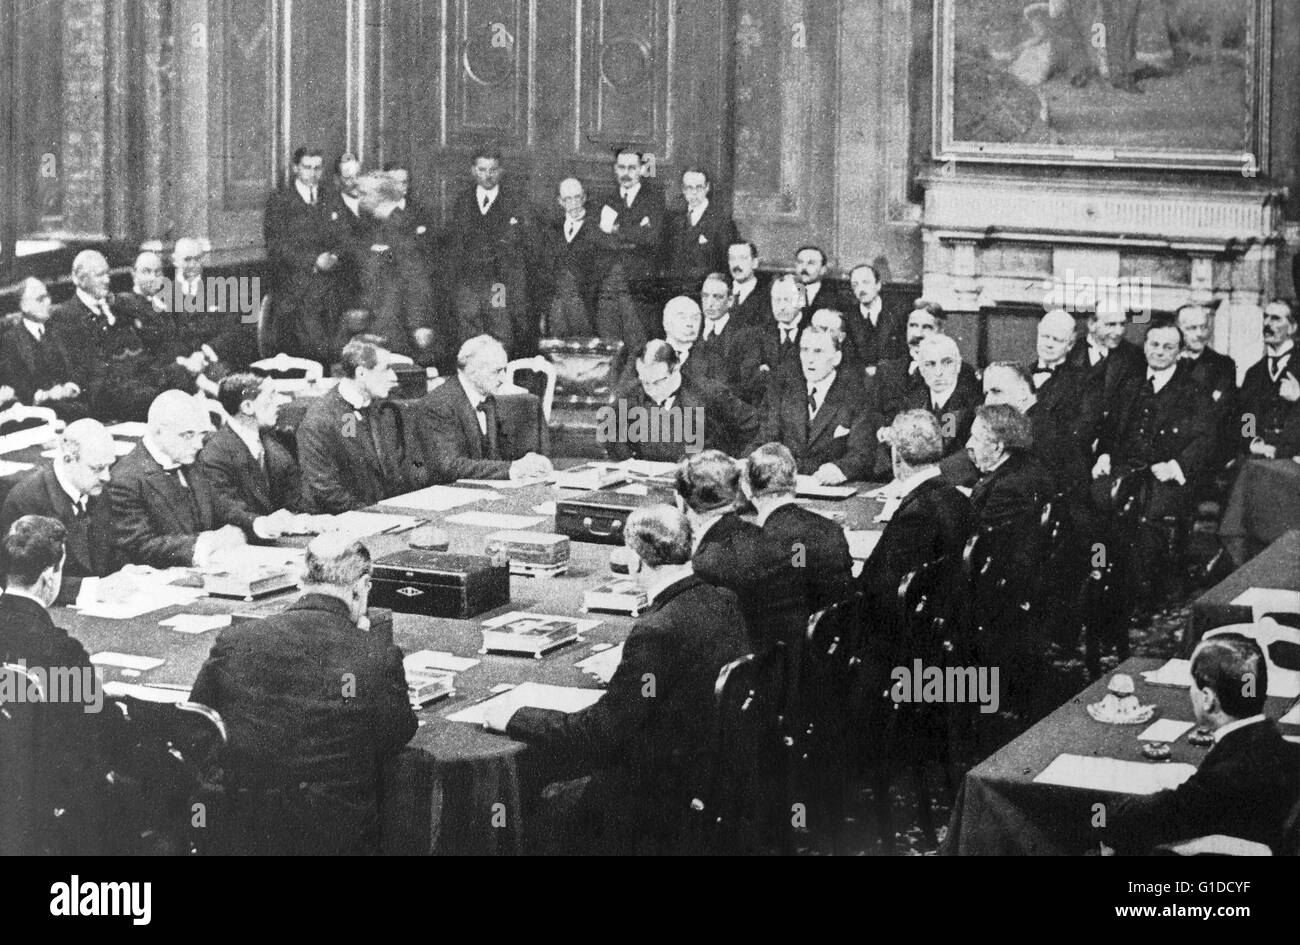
<point x="315" y="703"/>
<point x="630" y="231"/>
<point x="778" y="339"/>
<point x="70" y="490"/>
<point x="346" y="444"/>
<point x="458" y="425"/>
<point x="1268" y="407"/>
<point x="875" y="331"/>
<point x="811" y="270"/>
<point x="649" y="755"/>
<point x="1215" y="373"/>
<point x="1247" y="782"/>
<point x="750" y="302"/>
<point x="164" y="512"/>
<point x="569" y="276"/>
<point x="728" y="350"/>
<point x="698" y="233"/>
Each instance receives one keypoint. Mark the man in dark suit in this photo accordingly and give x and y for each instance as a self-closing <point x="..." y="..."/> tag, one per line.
<point x="396" y="285"/>
<point x="306" y="247"/>
<point x="875" y="331"/>
<point x="348" y="447"/>
<point x="488" y="234"/>
<point x="698" y="233"/>
<point x="569" y="271"/>
<point x="896" y="378"/>
<point x="928" y="518"/>
<point x="1054" y="420"/>
<point x="1215" y="372"/>
<point x="212" y="314"/>
<point x="458" y="426"/>
<point x="817" y="554"/>
<point x="70" y="490"/>
<point x="649" y="754"/>
<point x="630" y="230"/>
<point x="824" y="420"/>
<point x="778" y="338"/>
<point x="164" y="512"/>
<point x="728" y="351"/>
<point x="163" y="330"/>
<point x="35" y="361"/>
<point x="952" y="395"/>
<point x="345" y="197"/>
<point x="1013" y="484"/>
<point x="73" y="736"/>
<point x="1108" y="359"/>
<point x="812" y="272"/>
<point x="256" y="482"/>
<point x="1247" y="783"/>
<point x="657" y="414"/>
<point x="315" y="704"/>
<point x="750" y="300"/>
<point x="1269" y="399"/>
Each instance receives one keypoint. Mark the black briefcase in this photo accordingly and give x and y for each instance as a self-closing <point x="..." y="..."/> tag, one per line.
<point x="438" y="584"/>
<point x="598" y="517"/>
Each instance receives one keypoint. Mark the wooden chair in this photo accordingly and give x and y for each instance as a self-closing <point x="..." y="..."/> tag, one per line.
<point x="537" y="365"/>
<point x="24" y="819"/>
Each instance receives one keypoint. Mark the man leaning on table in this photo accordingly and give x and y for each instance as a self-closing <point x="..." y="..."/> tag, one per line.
<point x="315" y="702"/>
<point x="1249" y="780"/>
<point x="646" y="745"/>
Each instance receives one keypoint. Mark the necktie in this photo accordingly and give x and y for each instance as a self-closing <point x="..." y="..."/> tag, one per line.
<point x="1097" y="354"/>
<point x="812" y="403"/>
<point x="1275" y="362"/>
<point x="486" y="203"/>
<point x="570" y="228"/>
<point x="79" y="507"/>
<point x="1042" y="375"/>
<point x="627" y="198"/>
<point x="787" y="336"/>
<point x="488" y="408"/>
<point x="39" y="331"/>
<point x="1150" y="387"/>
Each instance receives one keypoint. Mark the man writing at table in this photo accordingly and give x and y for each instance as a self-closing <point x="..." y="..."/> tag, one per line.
<point x="460" y="426"/>
<point x="647" y="752"/>
<point x="1245" y="786"/>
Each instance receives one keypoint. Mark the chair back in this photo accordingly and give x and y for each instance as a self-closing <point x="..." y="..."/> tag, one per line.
<point x="1281" y="644"/>
<point x="998" y="599"/>
<point x="545" y="390"/>
<point x="21" y="816"/>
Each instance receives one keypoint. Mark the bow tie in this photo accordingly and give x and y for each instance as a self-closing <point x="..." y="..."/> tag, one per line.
<point x="1042" y="369"/>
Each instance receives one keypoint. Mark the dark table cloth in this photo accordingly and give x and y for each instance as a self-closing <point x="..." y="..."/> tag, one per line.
<point x="1263" y="505"/>
<point x="1276" y="566"/>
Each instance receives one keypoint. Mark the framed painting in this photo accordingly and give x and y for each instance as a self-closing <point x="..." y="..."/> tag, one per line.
<point x="1125" y="83"/>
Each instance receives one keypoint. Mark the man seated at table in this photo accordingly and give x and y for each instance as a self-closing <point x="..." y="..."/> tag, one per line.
<point x="346" y="447"/>
<point x="1247" y="783"/>
<point x="35" y="361"/>
<point x="928" y="518"/>
<point x="825" y="420"/>
<point x="459" y="424"/>
<point x="70" y="490"/>
<point x="660" y="415"/>
<point x="649" y="754"/>
<point x="315" y="703"/>
<point x="1268" y="404"/>
<point x="164" y="512"/>
<point x="817" y="555"/>
<point x="71" y="763"/>
<point x="254" y="478"/>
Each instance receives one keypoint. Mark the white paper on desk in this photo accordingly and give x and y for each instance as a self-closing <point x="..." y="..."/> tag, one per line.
<point x="22" y="439"/>
<point x="500" y="483"/>
<point x="534" y="695"/>
<point x="1282" y="683"/>
<point x="361" y="524"/>
<point x="244" y="558"/>
<point x="645" y="467"/>
<point x="602" y="665"/>
<point x="583" y="624"/>
<point x="862" y="542"/>
<point x="439" y="498"/>
<point x="1165" y="730"/>
<point x="498" y="520"/>
<point x="608" y="217"/>
<point x="163" y="694"/>
<point x="809" y="487"/>
<point x="8" y="467"/>
<point x="196" y="623"/>
<point x="125" y="661"/>
<point x="1269" y="600"/>
<point x="143" y="601"/>
<point x="634" y="488"/>
<point x="545" y="508"/>
<point x="437" y="659"/>
<point x="1292" y="717"/>
<point x="1112" y="774"/>
<point x="131" y="428"/>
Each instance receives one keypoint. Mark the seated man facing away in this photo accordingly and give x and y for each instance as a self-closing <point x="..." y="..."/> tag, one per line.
<point x="315" y="703"/>
<point x="458" y="424"/>
<point x="347" y="458"/>
<point x="648" y="753"/>
<point x="1013" y="484"/>
<point x="164" y="512"/>
<point x="824" y="420"/>
<point x="70" y="761"/>
<point x="661" y="415"/>
<point x="817" y="555"/>
<point x="1247" y="783"/>
<point x="256" y="481"/>
<point x="70" y="490"/>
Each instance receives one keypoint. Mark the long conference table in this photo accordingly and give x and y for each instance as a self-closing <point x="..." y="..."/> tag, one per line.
<point x="475" y="804"/>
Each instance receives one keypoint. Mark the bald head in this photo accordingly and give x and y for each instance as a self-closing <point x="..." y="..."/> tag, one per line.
<point x="176" y="425"/>
<point x="90" y="273"/>
<point x="35" y="300"/>
<point x="681" y="321"/>
<point x="86" y="455"/>
<point x="1055" y="336"/>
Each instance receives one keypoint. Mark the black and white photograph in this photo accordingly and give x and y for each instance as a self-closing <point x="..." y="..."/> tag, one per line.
<point x="764" y="428"/>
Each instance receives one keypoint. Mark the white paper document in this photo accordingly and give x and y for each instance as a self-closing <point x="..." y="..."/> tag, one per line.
<point x="1292" y="717"/>
<point x="439" y="498"/>
<point x="809" y="487"/>
<point x="125" y="661"/>
<point x="1269" y="600"/>
<point x="644" y="467"/>
<point x="499" y="483"/>
<point x="1165" y="730"/>
<point x="361" y="524"/>
<point x="1282" y="683"/>
<point x="545" y="508"/>
<point x="131" y="428"/>
<point x="633" y="489"/>
<point x="196" y="623"/>
<point x="437" y="659"/>
<point x="602" y="665"/>
<point x="535" y="695"/>
<point x="862" y="542"/>
<point x="1112" y="774"/>
<point x="144" y="599"/>
<point x="498" y="520"/>
<point x="22" y="439"/>
<point x="582" y="623"/>
<point x="9" y="468"/>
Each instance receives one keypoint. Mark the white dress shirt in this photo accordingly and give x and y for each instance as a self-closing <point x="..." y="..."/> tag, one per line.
<point x="1223" y="730"/>
<point x="741" y="290"/>
<point x="475" y="398"/>
<point x="35" y="329"/>
<point x="60" y="476"/>
<point x="818" y="392"/>
<point x="714" y="328"/>
<point x="628" y="195"/>
<point x="308" y="194"/>
<point x="485" y="198"/>
<point x="1159" y="379"/>
<point x="872" y="312"/>
<point x="252" y="439"/>
<point x="166" y="462"/>
<point x="697" y="212"/>
<point x="98" y="306"/>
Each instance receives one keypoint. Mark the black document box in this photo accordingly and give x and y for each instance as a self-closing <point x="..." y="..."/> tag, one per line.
<point x="598" y="517"/>
<point x="438" y="584"/>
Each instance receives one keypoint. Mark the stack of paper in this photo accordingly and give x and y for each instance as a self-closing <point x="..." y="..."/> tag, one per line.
<point x="1269" y="600"/>
<point x="535" y="695"/>
<point x="1112" y="774"/>
<point x="361" y="524"/>
<point x="196" y="623"/>
<point x="140" y="664"/>
<point x="602" y="665"/>
<point x="9" y="468"/>
<point x="132" y="428"/>
<point x="142" y="600"/>
<point x="424" y="660"/>
<point x="497" y="520"/>
<point x="809" y="487"/>
<point x="163" y="694"/>
<point x="438" y="498"/>
<point x="22" y="439"/>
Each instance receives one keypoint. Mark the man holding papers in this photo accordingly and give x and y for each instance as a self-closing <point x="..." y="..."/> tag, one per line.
<point x="648" y="737"/>
<point x="1247" y="783"/>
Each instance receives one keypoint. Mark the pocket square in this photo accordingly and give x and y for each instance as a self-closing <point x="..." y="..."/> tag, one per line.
<point x="840" y="431"/>
<point x="421" y="230"/>
<point x="645" y="221"/>
<point x="334" y="215"/>
<point x="703" y="239"/>
<point x="379" y="247"/>
<point x="514" y="221"/>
